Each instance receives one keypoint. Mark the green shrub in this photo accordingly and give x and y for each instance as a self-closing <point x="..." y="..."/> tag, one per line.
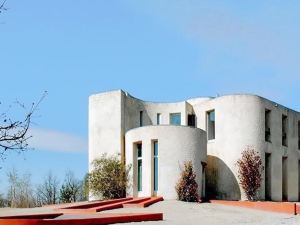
<point x="109" y="177"/>
<point x="187" y="187"/>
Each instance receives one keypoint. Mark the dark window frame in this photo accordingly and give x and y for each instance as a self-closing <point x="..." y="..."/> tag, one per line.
<point x="211" y="124"/>
<point x="268" y="137"/>
<point x="191" y="120"/>
<point x="284" y="132"/>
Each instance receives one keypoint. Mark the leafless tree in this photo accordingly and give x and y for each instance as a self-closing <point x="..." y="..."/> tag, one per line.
<point x="250" y="170"/>
<point x="2" y="6"/>
<point x="2" y="201"/>
<point x="48" y="191"/>
<point x="20" y="194"/>
<point x="13" y="133"/>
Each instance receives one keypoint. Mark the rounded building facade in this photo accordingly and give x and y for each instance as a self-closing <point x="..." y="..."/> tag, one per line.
<point x="157" y="155"/>
<point x="205" y="130"/>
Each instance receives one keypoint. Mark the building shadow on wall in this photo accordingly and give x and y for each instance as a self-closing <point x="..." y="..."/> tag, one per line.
<point x="220" y="181"/>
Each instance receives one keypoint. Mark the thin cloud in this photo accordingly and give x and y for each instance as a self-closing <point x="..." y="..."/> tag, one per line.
<point x="53" y="140"/>
<point x="220" y="29"/>
<point x="250" y="52"/>
<point x="244" y="39"/>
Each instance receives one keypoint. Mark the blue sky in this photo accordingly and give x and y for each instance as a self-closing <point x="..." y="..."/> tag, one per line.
<point x="156" y="50"/>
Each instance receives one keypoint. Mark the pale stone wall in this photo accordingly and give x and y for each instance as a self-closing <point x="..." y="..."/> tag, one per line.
<point x="176" y="145"/>
<point x="240" y="122"/>
<point x="278" y="151"/>
<point x="105" y="124"/>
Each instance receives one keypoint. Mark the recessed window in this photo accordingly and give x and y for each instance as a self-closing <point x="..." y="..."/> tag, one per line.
<point x="158" y="118"/>
<point x="267" y="125"/>
<point x="141" y="118"/>
<point x="192" y="120"/>
<point x="268" y="176"/>
<point x="284" y="179"/>
<point x="139" y="166"/>
<point x="284" y="130"/>
<point x="175" y="118"/>
<point x="211" y="125"/>
<point x="155" y="165"/>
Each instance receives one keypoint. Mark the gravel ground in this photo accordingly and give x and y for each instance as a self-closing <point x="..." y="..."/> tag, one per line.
<point x="182" y="213"/>
<point x="11" y="212"/>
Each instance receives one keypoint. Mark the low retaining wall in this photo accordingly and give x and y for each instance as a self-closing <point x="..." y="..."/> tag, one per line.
<point x="86" y="213"/>
<point x="281" y="207"/>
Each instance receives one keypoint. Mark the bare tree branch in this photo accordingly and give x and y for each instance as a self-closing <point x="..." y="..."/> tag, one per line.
<point x="13" y="134"/>
<point x="2" y="8"/>
<point x="48" y="192"/>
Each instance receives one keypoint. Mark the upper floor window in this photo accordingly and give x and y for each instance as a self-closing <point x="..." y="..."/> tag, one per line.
<point x="192" y="120"/>
<point x="284" y="130"/>
<point x="175" y="118"/>
<point x="158" y="118"/>
<point x="211" y="125"/>
<point x="267" y="125"/>
<point x="141" y="118"/>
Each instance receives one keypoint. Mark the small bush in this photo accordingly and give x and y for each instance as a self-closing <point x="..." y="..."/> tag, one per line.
<point x="250" y="172"/>
<point x="187" y="187"/>
<point x="109" y="177"/>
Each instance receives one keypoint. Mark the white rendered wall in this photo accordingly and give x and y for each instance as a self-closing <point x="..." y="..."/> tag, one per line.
<point x="133" y="106"/>
<point x="176" y="144"/>
<point x="105" y="124"/>
<point x="240" y="122"/>
<point x="278" y="151"/>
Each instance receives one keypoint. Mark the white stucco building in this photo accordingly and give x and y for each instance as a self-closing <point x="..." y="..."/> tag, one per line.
<point x="157" y="138"/>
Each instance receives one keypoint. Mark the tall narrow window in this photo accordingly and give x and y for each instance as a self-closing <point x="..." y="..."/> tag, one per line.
<point x="175" y="118"/>
<point x="139" y="167"/>
<point x="155" y="166"/>
<point x="267" y="176"/>
<point x="299" y="135"/>
<point x="141" y="118"/>
<point x="192" y="120"/>
<point x="267" y="125"/>
<point x="284" y="179"/>
<point x="211" y="125"/>
<point x="158" y="118"/>
<point x="284" y="130"/>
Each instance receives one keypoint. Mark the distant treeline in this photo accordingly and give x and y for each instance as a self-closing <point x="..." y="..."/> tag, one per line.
<point x="22" y="194"/>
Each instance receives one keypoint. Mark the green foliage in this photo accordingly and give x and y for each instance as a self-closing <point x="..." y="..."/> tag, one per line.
<point x="250" y="172"/>
<point x="187" y="187"/>
<point x="71" y="189"/>
<point x="109" y="177"/>
<point x="66" y="194"/>
<point x="85" y="188"/>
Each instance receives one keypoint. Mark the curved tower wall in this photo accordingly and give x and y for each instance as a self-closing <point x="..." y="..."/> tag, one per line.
<point x="112" y="114"/>
<point x="176" y="145"/>
<point x="239" y="122"/>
